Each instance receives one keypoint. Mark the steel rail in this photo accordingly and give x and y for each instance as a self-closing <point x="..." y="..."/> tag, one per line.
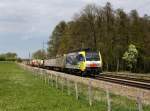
<point x="127" y="78"/>
<point x="125" y="82"/>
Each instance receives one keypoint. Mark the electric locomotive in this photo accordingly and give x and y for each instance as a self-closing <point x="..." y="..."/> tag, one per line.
<point x="85" y="62"/>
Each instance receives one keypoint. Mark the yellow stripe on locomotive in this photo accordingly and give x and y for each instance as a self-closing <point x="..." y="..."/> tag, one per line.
<point x="82" y="64"/>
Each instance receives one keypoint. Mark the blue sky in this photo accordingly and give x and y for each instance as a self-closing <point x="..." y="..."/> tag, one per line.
<point x="25" y="24"/>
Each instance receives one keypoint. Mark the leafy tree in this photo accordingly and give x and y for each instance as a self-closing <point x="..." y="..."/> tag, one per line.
<point x="55" y="38"/>
<point x="130" y="56"/>
<point x="10" y="56"/>
<point x="2" y="57"/>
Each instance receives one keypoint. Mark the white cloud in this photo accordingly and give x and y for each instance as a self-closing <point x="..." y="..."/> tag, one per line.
<point x="22" y="15"/>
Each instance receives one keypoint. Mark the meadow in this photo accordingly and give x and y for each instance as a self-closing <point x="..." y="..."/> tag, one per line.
<point x="21" y="90"/>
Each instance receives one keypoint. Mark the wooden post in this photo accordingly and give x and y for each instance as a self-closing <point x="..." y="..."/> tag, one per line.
<point x="139" y="102"/>
<point x="39" y="74"/>
<point x="42" y="75"/>
<point x="56" y="81"/>
<point x="52" y="80"/>
<point x="62" y="84"/>
<point x="90" y="92"/>
<point x="108" y="100"/>
<point x="68" y="85"/>
<point x="76" y="89"/>
<point x="48" y="79"/>
<point x="36" y="73"/>
<point x="45" y="78"/>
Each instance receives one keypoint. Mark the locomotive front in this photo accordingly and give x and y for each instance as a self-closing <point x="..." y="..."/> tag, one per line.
<point x="90" y="62"/>
<point x="93" y="62"/>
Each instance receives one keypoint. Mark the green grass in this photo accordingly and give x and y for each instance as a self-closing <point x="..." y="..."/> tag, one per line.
<point x="21" y="91"/>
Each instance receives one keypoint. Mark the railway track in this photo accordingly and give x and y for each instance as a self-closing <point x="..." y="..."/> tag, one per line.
<point x="124" y="80"/>
<point x="129" y="74"/>
<point x="134" y="82"/>
<point x="133" y="78"/>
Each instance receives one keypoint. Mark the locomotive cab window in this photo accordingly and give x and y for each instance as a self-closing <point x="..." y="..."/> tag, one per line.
<point x="80" y="57"/>
<point x="92" y="56"/>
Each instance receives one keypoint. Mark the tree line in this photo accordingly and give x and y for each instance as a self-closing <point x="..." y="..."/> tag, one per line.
<point x="108" y="30"/>
<point x="10" y="56"/>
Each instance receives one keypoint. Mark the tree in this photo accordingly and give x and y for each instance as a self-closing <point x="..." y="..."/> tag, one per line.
<point x="130" y="56"/>
<point x="2" y="57"/>
<point x="109" y="35"/>
<point x="39" y="54"/>
<point x="55" y="39"/>
<point x="121" y="40"/>
<point x="89" y="17"/>
<point x="10" y="56"/>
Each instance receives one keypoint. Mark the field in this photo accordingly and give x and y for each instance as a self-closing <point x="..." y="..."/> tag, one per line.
<point x="20" y="91"/>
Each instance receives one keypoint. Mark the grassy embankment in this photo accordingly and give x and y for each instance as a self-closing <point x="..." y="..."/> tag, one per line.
<point x="21" y="91"/>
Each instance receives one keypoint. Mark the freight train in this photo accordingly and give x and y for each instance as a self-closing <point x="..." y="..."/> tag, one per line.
<point x="83" y="62"/>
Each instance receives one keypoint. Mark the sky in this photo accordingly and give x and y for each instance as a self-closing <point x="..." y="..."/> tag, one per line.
<point x="26" y="24"/>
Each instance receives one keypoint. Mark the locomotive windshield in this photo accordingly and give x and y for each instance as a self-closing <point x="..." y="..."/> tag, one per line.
<point x="92" y="56"/>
